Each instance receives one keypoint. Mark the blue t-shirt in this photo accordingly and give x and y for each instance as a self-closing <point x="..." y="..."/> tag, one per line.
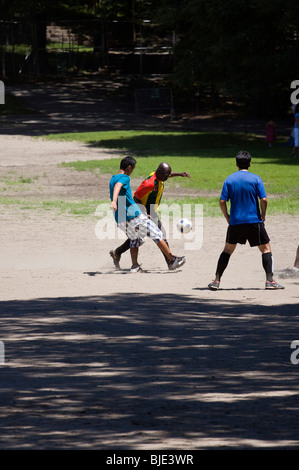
<point x="243" y="189"/>
<point x="296" y="116"/>
<point x="126" y="206"/>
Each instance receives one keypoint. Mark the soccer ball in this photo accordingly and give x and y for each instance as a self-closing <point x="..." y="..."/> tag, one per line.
<point x="184" y="225"/>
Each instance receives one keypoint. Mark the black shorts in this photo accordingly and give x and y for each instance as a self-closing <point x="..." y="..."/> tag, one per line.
<point x="255" y="234"/>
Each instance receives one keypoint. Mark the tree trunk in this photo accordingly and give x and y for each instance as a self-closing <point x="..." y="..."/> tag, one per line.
<point x="39" y="45"/>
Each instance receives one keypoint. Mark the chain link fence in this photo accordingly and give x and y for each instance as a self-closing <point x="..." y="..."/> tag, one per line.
<point x="154" y="100"/>
<point x="69" y="47"/>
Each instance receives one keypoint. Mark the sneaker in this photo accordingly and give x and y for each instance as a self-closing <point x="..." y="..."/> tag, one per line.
<point x="273" y="285"/>
<point x="177" y="262"/>
<point x="214" y="285"/>
<point x="135" y="269"/>
<point x="116" y="258"/>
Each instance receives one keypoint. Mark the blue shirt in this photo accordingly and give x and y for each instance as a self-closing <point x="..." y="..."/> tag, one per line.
<point x="296" y="116"/>
<point x="243" y="189"/>
<point x="126" y="206"/>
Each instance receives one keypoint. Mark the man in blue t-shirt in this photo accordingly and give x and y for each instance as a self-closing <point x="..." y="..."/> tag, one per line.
<point x="296" y="131"/>
<point x="127" y="208"/>
<point x="248" y="205"/>
<point x="132" y="221"/>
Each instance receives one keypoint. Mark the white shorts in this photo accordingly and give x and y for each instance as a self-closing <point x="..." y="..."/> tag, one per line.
<point x="140" y="227"/>
<point x="296" y="137"/>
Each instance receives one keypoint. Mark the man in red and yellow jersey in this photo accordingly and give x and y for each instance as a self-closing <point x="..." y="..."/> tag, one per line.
<point x="148" y="195"/>
<point x="150" y="191"/>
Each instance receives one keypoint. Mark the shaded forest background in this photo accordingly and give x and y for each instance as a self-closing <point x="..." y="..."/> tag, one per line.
<point x="243" y="52"/>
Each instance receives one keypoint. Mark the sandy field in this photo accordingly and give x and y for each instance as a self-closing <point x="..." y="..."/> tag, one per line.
<point x="98" y="358"/>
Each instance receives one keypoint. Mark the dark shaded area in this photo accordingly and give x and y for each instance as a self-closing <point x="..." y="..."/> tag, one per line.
<point x="73" y="106"/>
<point x="132" y="370"/>
<point x="222" y="145"/>
<point x="107" y="103"/>
<point x="242" y="51"/>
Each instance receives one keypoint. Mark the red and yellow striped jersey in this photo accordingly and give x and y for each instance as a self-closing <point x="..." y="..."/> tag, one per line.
<point x="150" y="192"/>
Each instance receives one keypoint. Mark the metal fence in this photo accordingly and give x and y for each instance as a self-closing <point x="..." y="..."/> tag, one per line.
<point x="66" y="47"/>
<point x="153" y="100"/>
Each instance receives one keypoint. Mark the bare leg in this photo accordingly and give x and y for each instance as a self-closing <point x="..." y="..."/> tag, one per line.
<point x="165" y="250"/>
<point x="229" y="248"/>
<point x="296" y="264"/>
<point x="134" y="255"/>
<point x="265" y="248"/>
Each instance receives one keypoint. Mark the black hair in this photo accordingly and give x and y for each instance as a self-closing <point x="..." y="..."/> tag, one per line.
<point x="127" y="161"/>
<point x="243" y="159"/>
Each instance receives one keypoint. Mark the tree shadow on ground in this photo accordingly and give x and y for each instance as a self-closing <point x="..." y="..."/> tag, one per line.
<point x="131" y="370"/>
<point x="201" y="145"/>
<point x="87" y="104"/>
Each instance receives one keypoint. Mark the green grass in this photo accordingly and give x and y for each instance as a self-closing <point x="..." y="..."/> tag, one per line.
<point x="14" y="106"/>
<point x="17" y="183"/>
<point x="65" y="46"/>
<point x="59" y="207"/>
<point x="78" y="208"/>
<point x="22" y="49"/>
<point x="209" y="157"/>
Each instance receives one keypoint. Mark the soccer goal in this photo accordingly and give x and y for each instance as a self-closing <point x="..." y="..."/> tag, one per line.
<point x="153" y="100"/>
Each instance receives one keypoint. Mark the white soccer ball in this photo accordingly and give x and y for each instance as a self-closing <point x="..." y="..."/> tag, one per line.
<point x="184" y="225"/>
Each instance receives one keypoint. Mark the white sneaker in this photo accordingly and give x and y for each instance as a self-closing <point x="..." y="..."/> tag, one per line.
<point x="135" y="269"/>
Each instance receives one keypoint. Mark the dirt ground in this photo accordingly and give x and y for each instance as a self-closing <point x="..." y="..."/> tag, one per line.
<point x="97" y="358"/>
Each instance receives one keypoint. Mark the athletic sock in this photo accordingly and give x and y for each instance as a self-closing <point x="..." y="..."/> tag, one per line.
<point x="222" y="264"/>
<point x="268" y="264"/>
<point x="122" y="248"/>
<point x="166" y="259"/>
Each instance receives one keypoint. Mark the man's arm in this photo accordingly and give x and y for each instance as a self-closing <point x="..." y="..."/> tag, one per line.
<point x="116" y="191"/>
<point x="223" y="207"/>
<point x="184" y="174"/>
<point x="263" y="203"/>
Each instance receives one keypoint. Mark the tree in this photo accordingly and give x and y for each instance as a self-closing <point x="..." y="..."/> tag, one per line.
<point x="39" y="14"/>
<point x="246" y="48"/>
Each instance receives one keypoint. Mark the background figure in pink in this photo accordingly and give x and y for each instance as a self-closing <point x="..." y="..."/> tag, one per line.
<point x="270" y="132"/>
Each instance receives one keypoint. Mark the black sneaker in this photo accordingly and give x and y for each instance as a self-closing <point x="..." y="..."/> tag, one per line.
<point x="177" y="262"/>
<point x="116" y="258"/>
